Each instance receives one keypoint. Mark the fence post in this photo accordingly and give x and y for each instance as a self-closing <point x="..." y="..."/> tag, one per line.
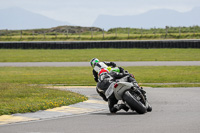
<point x="91" y="33"/>
<point x="116" y="32"/>
<point x="56" y="34"/>
<point x="67" y="33"/>
<point x="103" y="33"/>
<point x="166" y="30"/>
<point x="194" y="31"/>
<point x="128" y="32"/>
<point x="33" y="33"/>
<point x="21" y="34"/>
<point x="79" y="33"/>
<point x="44" y="34"/>
<point x="6" y="34"/>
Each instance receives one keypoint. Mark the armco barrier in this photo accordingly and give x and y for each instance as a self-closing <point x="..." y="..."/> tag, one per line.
<point x="102" y="44"/>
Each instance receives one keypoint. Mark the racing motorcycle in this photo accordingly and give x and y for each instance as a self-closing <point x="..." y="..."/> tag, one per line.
<point x="131" y="95"/>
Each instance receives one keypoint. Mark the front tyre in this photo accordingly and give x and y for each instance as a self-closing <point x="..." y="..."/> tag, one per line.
<point x="133" y="103"/>
<point x="148" y="106"/>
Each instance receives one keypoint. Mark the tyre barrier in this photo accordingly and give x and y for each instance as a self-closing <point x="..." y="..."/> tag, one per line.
<point x="101" y="44"/>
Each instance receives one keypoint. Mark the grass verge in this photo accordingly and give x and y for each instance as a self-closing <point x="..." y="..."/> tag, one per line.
<point x="21" y="98"/>
<point x="66" y="55"/>
<point x="83" y="75"/>
<point x="17" y="96"/>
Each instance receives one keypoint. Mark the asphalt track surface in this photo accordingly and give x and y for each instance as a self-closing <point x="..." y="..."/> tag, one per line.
<point x="85" y="64"/>
<point x="175" y="110"/>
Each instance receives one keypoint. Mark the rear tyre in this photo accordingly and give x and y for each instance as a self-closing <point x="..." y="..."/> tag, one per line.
<point x="134" y="103"/>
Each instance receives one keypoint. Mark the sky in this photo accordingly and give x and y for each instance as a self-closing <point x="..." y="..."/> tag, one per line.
<point x="85" y="12"/>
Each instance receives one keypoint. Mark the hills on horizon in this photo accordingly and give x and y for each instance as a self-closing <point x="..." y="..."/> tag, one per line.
<point x="159" y="18"/>
<point x="17" y="18"/>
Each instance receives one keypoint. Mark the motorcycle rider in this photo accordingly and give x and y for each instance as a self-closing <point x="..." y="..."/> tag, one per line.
<point x="97" y="66"/>
<point x="103" y="83"/>
<point x="106" y="80"/>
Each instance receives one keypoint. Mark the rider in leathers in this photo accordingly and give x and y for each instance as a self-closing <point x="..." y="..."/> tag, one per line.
<point x="105" y="80"/>
<point x="95" y="62"/>
<point x="97" y="66"/>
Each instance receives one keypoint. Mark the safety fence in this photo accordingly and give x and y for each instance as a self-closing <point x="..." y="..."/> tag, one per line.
<point x="101" y="44"/>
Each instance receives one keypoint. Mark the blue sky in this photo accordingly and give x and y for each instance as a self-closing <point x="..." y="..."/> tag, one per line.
<point x="84" y="12"/>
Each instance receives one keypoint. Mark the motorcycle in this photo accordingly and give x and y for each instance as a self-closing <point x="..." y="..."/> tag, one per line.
<point x="131" y="95"/>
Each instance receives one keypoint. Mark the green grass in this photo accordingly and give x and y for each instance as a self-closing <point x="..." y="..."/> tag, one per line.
<point x="19" y="55"/>
<point x="19" y="95"/>
<point x="100" y="37"/>
<point x="166" y="74"/>
<point x="21" y="98"/>
<point x="83" y="75"/>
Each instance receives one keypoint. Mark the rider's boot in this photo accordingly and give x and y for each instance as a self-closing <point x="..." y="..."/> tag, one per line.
<point x="121" y="106"/>
<point x="124" y="107"/>
<point x="149" y="108"/>
<point x="143" y="92"/>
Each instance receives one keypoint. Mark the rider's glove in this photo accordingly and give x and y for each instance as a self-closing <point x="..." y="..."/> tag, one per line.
<point x="113" y="64"/>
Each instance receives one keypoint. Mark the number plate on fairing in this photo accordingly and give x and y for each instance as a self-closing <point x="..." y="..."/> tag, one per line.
<point x="109" y="91"/>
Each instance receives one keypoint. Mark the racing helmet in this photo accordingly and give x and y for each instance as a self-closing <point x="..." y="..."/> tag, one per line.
<point x="93" y="61"/>
<point x="103" y="71"/>
<point x="103" y="74"/>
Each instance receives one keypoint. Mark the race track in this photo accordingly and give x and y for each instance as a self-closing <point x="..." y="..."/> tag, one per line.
<point x="87" y="64"/>
<point x="175" y="110"/>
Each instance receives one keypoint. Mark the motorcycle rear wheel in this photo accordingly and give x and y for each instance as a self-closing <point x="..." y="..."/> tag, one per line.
<point x="133" y="103"/>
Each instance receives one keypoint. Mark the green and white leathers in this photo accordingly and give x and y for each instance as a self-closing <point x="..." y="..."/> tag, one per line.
<point x="113" y="69"/>
<point x="97" y="66"/>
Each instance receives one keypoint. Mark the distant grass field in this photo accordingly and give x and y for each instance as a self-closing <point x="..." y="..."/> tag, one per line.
<point x="69" y="33"/>
<point x="100" y="37"/>
<point x="83" y="75"/>
<point x="65" y="55"/>
<point x="21" y="98"/>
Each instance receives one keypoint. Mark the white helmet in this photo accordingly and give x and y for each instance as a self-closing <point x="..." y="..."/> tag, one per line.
<point x="93" y="61"/>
